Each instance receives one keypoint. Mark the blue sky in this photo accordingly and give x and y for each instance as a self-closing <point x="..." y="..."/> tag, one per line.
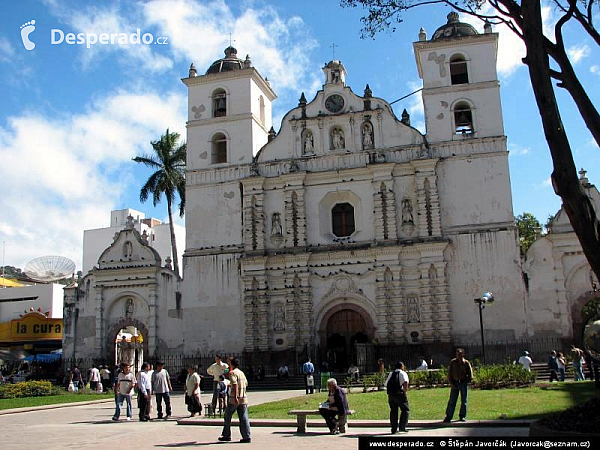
<point x="72" y="117"/>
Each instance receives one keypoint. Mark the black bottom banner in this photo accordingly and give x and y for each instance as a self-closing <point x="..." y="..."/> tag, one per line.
<point x="410" y="442"/>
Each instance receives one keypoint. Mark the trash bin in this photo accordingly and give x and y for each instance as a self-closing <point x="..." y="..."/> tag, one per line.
<point x="324" y="377"/>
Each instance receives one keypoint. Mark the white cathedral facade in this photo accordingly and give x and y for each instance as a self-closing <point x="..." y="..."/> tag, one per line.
<point x="347" y="227"/>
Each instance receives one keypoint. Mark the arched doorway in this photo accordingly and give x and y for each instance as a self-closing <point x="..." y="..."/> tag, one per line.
<point x="346" y="335"/>
<point x="576" y="314"/>
<point x="127" y="341"/>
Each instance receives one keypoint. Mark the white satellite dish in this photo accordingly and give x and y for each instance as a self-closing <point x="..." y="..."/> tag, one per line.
<point x="49" y="268"/>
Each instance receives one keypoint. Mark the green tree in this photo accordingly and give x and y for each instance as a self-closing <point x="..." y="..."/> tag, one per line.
<point x="524" y="18"/>
<point x="529" y="230"/>
<point x="168" y="162"/>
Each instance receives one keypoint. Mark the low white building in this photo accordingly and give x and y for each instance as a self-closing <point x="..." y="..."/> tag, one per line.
<point x="159" y="236"/>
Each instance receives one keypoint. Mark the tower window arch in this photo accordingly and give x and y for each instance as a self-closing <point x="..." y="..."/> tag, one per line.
<point x="463" y="118"/>
<point x="219" y="102"/>
<point x="342" y="219"/>
<point x="458" y="70"/>
<point x="219" y="149"/>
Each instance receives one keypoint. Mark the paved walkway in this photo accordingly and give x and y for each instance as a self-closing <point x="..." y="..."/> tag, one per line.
<point x="90" y="427"/>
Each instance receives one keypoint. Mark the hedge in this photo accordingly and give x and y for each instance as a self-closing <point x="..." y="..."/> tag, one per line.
<point x="28" y="389"/>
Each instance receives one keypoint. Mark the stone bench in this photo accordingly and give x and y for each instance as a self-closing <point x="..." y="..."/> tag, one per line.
<point x="302" y="413"/>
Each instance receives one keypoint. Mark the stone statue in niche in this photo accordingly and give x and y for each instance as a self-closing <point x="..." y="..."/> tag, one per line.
<point x="145" y="237"/>
<point x="128" y="249"/>
<point x="337" y="139"/>
<point x="407" y="212"/>
<point x="308" y="146"/>
<point x="276" y="228"/>
<point x="367" y="136"/>
<point x="129" y="305"/>
<point x="279" y="317"/>
<point x="412" y="309"/>
<point x="126" y="351"/>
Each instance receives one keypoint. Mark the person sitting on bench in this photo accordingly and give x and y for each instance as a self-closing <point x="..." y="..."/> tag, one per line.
<point x="336" y="405"/>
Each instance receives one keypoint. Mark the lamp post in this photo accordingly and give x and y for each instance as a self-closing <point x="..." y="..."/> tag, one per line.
<point x="486" y="298"/>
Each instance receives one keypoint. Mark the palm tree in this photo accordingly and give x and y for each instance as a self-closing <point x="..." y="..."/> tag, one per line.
<point x="168" y="161"/>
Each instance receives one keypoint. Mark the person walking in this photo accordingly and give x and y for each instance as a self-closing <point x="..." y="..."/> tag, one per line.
<point x="124" y="390"/>
<point x="105" y="378"/>
<point x="397" y="388"/>
<point x="217" y="369"/>
<point x="144" y="385"/>
<point x="460" y="374"/>
<point x="578" y="357"/>
<point x="76" y="378"/>
<point x="161" y="386"/>
<point x="553" y="366"/>
<point x="526" y="361"/>
<point x="308" y="369"/>
<point x="238" y="401"/>
<point x="94" y="377"/>
<point x="335" y="409"/>
<point x="192" y="391"/>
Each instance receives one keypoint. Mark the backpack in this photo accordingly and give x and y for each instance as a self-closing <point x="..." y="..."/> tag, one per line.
<point x="393" y="385"/>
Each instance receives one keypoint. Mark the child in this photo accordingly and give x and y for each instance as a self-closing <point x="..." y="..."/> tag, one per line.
<point x="222" y="389"/>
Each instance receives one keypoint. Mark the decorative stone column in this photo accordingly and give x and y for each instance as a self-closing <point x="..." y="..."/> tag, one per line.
<point x="254" y="215"/>
<point x="152" y="327"/>
<point x="100" y="334"/>
<point x="427" y="198"/>
<point x="384" y="203"/>
<point x="295" y="209"/>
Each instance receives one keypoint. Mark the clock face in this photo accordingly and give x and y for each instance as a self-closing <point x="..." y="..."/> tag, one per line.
<point x="334" y="103"/>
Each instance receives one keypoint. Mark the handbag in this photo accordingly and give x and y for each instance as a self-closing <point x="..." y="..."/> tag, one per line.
<point x="71" y="387"/>
<point x="310" y="380"/>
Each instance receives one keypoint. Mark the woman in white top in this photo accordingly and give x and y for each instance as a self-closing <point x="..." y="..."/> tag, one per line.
<point x="192" y="391"/>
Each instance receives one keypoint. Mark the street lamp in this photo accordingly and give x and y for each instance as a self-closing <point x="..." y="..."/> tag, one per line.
<point x="486" y="298"/>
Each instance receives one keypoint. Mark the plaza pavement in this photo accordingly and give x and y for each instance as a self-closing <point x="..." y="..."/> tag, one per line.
<point x="89" y="426"/>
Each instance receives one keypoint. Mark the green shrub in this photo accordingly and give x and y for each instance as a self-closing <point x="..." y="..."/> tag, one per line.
<point x="28" y="389"/>
<point x="428" y="378"/>
<point x="499" y="376"/>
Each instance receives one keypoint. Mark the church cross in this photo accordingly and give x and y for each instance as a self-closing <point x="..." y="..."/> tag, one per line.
<point x="333" y="46"/>
<point x="231" y="41"/>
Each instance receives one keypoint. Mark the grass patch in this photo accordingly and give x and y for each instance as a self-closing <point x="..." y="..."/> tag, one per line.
<point x="66" y="397"/>
<point x="533" y="402"/>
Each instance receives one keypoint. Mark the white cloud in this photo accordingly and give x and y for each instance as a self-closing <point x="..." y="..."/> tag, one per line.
<point x="595" y="70"/>
<point x="96" y="20"/>
<point x="278" y="47"/>
<point x="66" y="174"/>
<point x="7" y="51"/>
<point x="546" y="183"/>
<point x="518" y="150"/>
<point x="578" y="52"/>
<point x="511" y="49"/>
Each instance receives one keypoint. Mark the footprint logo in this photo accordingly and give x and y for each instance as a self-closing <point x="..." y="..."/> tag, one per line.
<point x="26" y="30"/>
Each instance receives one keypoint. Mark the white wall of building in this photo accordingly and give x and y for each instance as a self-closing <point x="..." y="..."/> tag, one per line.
<point x="14" y="301"/>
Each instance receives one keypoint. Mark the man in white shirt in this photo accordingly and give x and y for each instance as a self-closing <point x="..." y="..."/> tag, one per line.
<point x="397" y="387"/>
<point x="526" y="361"/>
<point x="94" y="377"/>
<point x="105" y="378"/>
<point x="216" y="370"/>
<point x="144" y="390"/>
<point x="161" y="385"/>
<point x="124" y="389"/>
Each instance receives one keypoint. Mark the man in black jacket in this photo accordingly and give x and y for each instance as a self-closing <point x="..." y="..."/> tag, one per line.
<point x="397" y="387"/>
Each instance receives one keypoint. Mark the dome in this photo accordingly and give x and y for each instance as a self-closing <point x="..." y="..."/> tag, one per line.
<point x="230" y="62"/>
<point x="453" y="29"/>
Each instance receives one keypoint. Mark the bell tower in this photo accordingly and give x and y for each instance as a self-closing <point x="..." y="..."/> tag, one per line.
<point x="229" y="113"/>
<point x="461" y="91"/>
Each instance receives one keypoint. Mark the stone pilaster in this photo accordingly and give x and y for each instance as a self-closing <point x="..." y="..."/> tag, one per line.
<point x="428" y="202"/>
<point x="254" y="214"/>
<point x="295" y="210"/>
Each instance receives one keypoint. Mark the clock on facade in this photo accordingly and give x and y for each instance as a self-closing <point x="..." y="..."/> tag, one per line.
<point x="334" y="103"/>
